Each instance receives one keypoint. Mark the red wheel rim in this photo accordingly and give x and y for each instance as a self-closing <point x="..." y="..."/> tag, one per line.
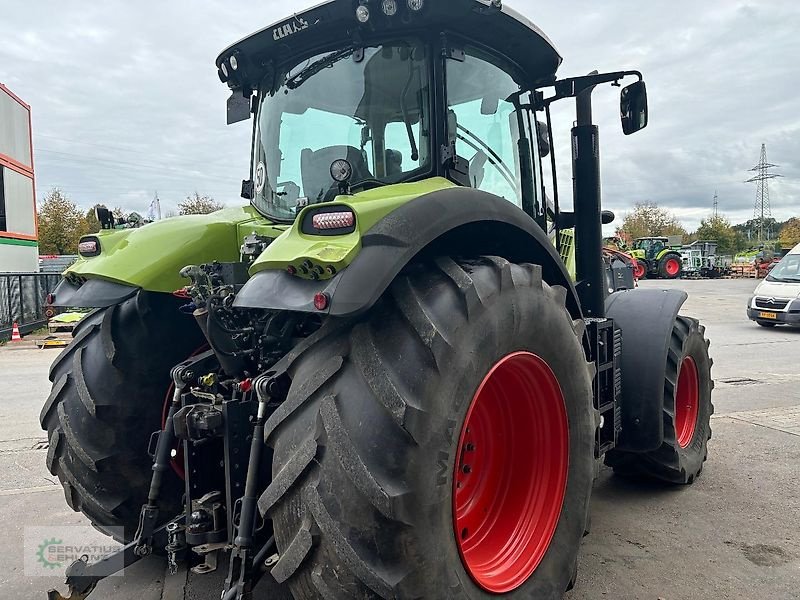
<point x="638" y="270"/>
<point x="511" y="472"/>
<point x="687" y="402"/>
<point x="672" y="267"/>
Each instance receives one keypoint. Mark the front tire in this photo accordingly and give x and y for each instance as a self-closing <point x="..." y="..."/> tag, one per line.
<point x="640" y="269"/>
<point x="687" y="413"/>
<point x="109" y="387"/>
<point x="376" y="426"/>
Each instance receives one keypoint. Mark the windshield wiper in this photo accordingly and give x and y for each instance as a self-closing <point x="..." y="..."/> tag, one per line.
<point x="298" y="79"/>
<point x="479" y="145"/>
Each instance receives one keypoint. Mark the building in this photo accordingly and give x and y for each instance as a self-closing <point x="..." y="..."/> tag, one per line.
<point x="19" y="248"/>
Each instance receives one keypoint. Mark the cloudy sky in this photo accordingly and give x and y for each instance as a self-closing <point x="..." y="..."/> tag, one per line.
<point x="126" y="99"/>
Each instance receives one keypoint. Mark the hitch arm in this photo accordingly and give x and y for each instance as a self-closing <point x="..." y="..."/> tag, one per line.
<point x="240" y="582"/>
<point x="83" y="577"/>
<point x="148" y="518"/>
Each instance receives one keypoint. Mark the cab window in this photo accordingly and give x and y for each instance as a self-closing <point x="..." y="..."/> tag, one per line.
<point x="483" y="123"/>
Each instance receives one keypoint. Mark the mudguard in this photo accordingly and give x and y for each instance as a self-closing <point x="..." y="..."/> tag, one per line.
<point x="646" y="318"/>
<point x="95" y="293"/>
<point x="457" y="221"/>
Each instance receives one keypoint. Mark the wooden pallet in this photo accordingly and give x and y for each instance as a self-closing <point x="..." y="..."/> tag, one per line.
<point x="51" y="342"/>
<point x="744" y="272"/>
<point x="53" y="327"/>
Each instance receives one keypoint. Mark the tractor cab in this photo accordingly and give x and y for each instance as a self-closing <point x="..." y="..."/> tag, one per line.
<point x="650" y="247"/>
<point x="390" y="93"/>
<point x="355" y="100"/>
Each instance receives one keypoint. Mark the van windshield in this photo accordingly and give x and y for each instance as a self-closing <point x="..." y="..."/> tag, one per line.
<point x="369" y="106"/>
<point x="788" y="270"/>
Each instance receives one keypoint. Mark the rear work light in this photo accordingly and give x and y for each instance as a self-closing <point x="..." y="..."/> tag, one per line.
<point x="333" y="220"/>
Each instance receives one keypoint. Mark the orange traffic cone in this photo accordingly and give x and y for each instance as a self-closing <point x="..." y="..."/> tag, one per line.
<point x="15" y="336"/>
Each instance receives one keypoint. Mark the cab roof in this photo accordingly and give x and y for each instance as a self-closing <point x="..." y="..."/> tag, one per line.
<point x="333" y="24"/>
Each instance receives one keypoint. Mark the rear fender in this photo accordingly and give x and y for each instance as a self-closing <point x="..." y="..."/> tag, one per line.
<point x="664" y="253"/>
<point x="95" y="293"/>
<point x="646" y="318"/>
<point x="459" y="222"/>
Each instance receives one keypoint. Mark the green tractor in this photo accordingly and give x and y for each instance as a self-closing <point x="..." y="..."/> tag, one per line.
<point x="659" y="256"/>
<point x="379" y="379"/>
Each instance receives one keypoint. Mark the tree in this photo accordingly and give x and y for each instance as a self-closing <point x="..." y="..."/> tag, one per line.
<point x="195" y="204"/>
<point x="649" y="220"/>
<point x="91" y="224"/>
<point x="719" y="229"/>
<point x="749" y="229"/>
<point x="61" y="224"/>
<point x="790" y="233"/>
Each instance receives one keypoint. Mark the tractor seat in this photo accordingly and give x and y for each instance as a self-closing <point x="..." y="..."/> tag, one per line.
<point x="394" y="164"/>
<point x="315" y="169"/>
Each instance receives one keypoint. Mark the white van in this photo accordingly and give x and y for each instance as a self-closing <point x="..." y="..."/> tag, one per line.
<point x="776" y="300"/>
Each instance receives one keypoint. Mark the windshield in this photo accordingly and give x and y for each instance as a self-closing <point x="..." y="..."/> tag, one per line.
<point x="788" y="270"/>
<point x="369" y="106"/>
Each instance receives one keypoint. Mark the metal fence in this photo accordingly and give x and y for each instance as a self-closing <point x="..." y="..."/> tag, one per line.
<point x="22" y="300"/>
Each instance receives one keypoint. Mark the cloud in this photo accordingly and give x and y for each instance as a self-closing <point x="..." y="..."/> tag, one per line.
<point x="720" y="82"/>
<point x="126" y="101"/>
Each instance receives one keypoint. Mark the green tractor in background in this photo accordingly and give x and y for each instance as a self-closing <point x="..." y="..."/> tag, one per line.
<point x="379" y="379"/>
<point x="660" y="256"/>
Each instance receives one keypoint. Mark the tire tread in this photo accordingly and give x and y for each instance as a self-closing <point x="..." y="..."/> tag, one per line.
<point x="320" y="556"/>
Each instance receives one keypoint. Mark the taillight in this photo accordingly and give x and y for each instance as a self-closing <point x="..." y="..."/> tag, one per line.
<point x="49" y="299"/>
<point x="89" y="247"/>
<point x="333" y="220"/>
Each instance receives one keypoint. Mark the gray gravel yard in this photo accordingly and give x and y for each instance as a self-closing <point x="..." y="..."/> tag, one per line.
<point x="734" y="534"/>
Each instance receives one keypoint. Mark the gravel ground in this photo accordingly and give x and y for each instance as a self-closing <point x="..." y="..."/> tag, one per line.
<point x="734" y="534"/>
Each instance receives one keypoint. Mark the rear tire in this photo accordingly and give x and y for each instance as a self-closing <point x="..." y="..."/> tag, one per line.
<point x="670" y="266"/>
<point x="687" y="415"/>
<point x="640" y="269"/>
<point x="109" y="387"/>
<point x="366" y="444"/>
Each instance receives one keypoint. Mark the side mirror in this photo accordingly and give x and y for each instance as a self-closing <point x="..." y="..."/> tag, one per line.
<point x="633" y="107"/>
<point x="238" y="107"/>
<point x="544" y="139"/>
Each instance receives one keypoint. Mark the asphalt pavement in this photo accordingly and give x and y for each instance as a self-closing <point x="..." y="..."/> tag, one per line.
<point x="734" y="534"/>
